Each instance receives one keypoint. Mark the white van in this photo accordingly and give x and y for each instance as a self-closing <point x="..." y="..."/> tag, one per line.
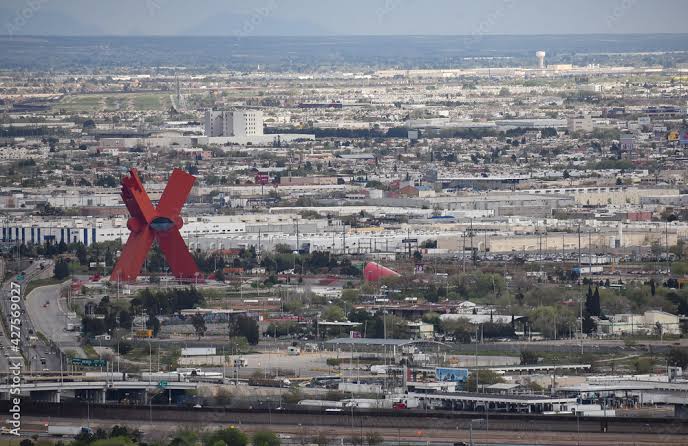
<point x="293" y="351"/>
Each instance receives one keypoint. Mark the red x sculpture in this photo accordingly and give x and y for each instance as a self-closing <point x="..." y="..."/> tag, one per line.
<point x="148" y="223"/>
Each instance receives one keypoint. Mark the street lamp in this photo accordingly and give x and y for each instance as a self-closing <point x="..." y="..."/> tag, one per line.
<point x="670" y="218"/>
<point x="150" y="362"/>
<point x="470" y="431"/>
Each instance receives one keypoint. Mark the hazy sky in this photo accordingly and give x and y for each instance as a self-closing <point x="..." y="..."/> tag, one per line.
<point x="340" y="17"/>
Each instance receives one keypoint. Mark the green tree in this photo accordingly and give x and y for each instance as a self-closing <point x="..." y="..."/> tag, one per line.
<point x="552" y="320"/>
<point x="293" y="396"/>
<point x="230" y="436"/>
<point x="223" y="397"/>
<point x="125" y="347"/>
<point x="247" y="327"/>
<point x="198" y="322"/>
<point x="153" y="323"/>
<point x="484" y="378"/>
<point x="333" y="313"/>
<point x="265" y="438"/>
<point x="220" y="275"/>
<point x="61" y="270"/>
<point x="678" y="357"/>
<point x="680" y="249"/>
<point x="461" y="329"/>
<point x="184" y="437"/>
<point x="529" y="357"/>
<point x="81" y="253"/>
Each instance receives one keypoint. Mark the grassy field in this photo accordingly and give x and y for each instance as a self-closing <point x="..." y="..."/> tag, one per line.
<point x="40" y="282"/>
<point x="90" y="352"/>
<point x="88" y="103"/>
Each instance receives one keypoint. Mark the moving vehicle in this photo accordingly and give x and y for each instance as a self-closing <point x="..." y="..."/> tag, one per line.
<point x="71" y="431"/>
<point x="378" y="370"/>
<point x="269" y="382"/>
<point x="293" y="350"/>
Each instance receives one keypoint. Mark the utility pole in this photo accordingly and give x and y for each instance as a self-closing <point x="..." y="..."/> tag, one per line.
<point x="298" y="245"/>
<point x="471" y="237"/>
<point x="477" y="379"/>
<point x="579" y="256"/>
<point x="581" y="325"/>
<point x="589" y="253"/>
<point x="259" y="246"/>
<point x="463" y="253"/>
<point x="540" y="251"/>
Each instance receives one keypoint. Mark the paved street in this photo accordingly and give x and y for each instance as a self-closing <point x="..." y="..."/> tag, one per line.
<point x="39" y="355"/>
<point x="49" y="315"/>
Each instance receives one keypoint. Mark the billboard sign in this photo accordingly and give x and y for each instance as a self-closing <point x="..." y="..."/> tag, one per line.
<point x="86" y="362"/>
<point x="262" y="179"/>
<point x="449" y="374"/>
<point x="683" y="136"/>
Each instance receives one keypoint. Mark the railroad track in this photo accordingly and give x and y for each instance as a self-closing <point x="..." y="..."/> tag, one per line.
<point x="362" y="419"/>
<point x="298" y="435"/>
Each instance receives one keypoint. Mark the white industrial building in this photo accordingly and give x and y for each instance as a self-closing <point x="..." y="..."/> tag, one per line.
<point x="580" y="123"/>
<point x="651" y="322"/>
<point x="233" y="123"/>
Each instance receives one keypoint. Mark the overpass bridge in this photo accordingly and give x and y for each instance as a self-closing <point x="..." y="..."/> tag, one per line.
<point x="484" y="402"/>
<point x="638" y="391"/>
<point x="96" y="390"/>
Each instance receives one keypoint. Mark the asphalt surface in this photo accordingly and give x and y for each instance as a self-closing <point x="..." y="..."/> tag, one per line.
<point x="40" y="356"/>
<point x="48" y="312"/>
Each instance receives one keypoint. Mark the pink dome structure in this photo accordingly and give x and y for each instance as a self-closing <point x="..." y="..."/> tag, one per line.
<point x="374" y="272"/>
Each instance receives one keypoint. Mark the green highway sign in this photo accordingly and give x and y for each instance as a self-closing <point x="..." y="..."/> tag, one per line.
<point x="162" y="384"/>
<point x="86" y="362"/>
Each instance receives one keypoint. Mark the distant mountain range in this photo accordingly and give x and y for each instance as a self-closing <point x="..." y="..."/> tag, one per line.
<point x="50" y="23"/>
<point x="240" y="49"/>
<point x="253" y="25"/>
<point x="43" y="23"/>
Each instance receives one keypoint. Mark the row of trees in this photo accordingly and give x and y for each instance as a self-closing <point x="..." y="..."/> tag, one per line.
<point x="315" y="262"/>
<point x="113" y="317"/>
<point x="96" y="252"/>
<point x="123" y="436"/>
<point x="166" y="301"/>
<point x="282" y="259"/>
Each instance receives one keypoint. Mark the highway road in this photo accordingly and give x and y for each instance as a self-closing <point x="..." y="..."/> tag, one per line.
<point x="39" y="355"/>
<point x="48" y="312"/>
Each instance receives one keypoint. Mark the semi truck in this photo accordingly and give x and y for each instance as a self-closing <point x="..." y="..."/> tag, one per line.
<point x="71" y="431"/>
<point x="269" y="382"/>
